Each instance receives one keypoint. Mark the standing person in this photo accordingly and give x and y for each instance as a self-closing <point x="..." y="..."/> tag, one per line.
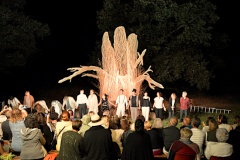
<point x="28" y="100"/>
<point x="82" y="102"/>
<point x="13" y="102"/>
<point x="16" y="123"/>
<point x="121" y="104"/>
<point x="145" y="105"/>
<point x="72" y="146"/>
<point x="159" y="105"/>
<point x="170" y="134"/>
<point x="134" y="103"/>
<point x="172" y="105"/>
<point x="93" y="102"/>
<point x="32" y="139"/>
<point x="184" y="105"/>
<point x="105" y="103"/>
<point x="97" y="140"/>
<point x="138" y="144"/>
<point x="69" y="103"/>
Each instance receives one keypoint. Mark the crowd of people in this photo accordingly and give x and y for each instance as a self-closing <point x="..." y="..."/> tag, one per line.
<point x="86" y="128"/>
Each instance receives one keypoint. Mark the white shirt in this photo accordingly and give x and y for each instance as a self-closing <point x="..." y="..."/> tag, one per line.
<point x="158" y="102"/>
<point x="81" y="99"/>
<point x="220" y="149"/>
<point x="122" y="99"/>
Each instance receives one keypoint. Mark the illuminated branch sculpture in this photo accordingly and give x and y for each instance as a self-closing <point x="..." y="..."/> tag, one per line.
<point x="121" y="66"/>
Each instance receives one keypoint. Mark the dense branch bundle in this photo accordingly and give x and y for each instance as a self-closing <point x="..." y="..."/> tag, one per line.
<point x="121" y="66"/>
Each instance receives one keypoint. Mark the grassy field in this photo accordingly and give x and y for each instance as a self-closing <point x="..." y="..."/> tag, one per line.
<point x="230" y="103"/>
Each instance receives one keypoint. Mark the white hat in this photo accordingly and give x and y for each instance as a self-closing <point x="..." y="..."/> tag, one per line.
<point x="95" y="120"/>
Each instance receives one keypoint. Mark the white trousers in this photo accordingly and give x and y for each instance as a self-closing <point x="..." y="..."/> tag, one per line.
<point x="120" y="110"/>
<point x="145" y="112"/>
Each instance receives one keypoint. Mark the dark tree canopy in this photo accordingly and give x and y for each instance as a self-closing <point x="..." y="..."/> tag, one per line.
<point x="176" y="34"/>
<point x="19" y="34"/>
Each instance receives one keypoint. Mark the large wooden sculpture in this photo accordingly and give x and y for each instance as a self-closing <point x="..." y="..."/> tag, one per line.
<point x="121" y="66"/>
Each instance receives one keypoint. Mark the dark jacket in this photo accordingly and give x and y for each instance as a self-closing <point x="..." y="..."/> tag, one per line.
<point x="97" y="143"/>
<point x="72" y="146"/>
<point x="138" y="147"/>
<point x="170" y="134"/>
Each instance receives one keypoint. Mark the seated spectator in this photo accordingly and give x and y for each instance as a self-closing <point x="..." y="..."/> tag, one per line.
<point x="32" y="139"/>
<point x="85" y="120"/>
<point x="157" y="142"/>
<point x="234" y="140"/>
<point x="170" y="134"/>
<point x="184" y="141"/>
<point x="198" y="136"/>
<point x="2" y="152"/>
<point x="16" y="123"/>
<point x="205" y="125"/>
<point x="236" y="121"/>
<point x="125" y="126"/>
<point x="220" y="148"/>
<point x="211" y="134"/>
<point x="186" y="122"/>
<point x="13" y="102"/>
<point x="223" y="122"/>
<point x="47" y="134"/>
<point x="72" y="145"/>
<point x="97" y="140"/>
<point x="138" y="144"/>
<point x="62" y="126"/>
<point x="7" y="134"/>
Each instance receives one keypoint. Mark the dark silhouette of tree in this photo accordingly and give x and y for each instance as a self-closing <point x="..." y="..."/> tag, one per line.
<point x="176" y="34"/>
<point x="20" y="35"/>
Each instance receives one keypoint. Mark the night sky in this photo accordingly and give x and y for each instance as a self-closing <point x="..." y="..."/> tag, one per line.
<point x="73" y="36"/>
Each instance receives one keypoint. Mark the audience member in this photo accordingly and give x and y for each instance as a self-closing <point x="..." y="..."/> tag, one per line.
<point x="234" y="140"/>
<point x="138" y="144"/>
<point x="97" y="140"/>
<point x="62" y="126"/>
<point x="125" y="126"/>
<point x="184" y="105"/>
<point x="7" y="133"/>
<point x="13" y="102"/>
<point x="46" y="131"/>
<point x="223" y="122"/>
<point x="156" y="140"/>
<point x="72" y="145"/>
<point x="184" y="141"/>
<point x="211" y="134"/>
<point x="16" y="123"/>
<point x="186" y="122"/>
<point x="220" y="148"/>
<point x="69" y="103"/>
<point x="205" y="125"/>
<point x="170" y="134"/>
<point x="198" y="136"/>
<point x="32" y="139"/>
<point x="236" y="121"/>
<point x="85" y="120"/>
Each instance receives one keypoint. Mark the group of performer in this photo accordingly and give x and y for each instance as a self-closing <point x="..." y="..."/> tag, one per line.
<point x="132" y="105"/>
